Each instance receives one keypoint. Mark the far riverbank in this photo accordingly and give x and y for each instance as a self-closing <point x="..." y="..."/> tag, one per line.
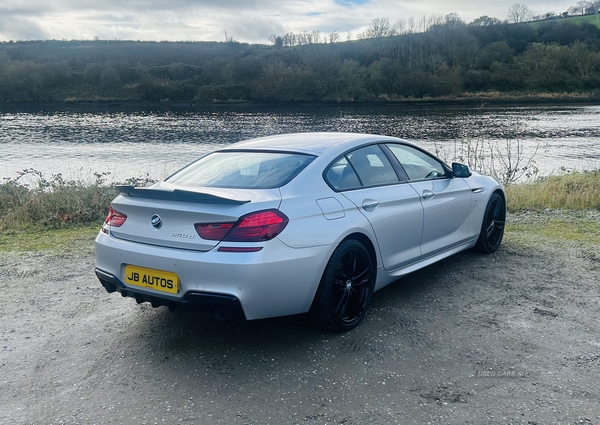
<point x="467" y="99"/>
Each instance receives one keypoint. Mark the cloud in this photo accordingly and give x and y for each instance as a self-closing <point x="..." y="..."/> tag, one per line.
<point x="17" y="28"/>
<point x="245" y="20"/>
<point x="350" y="3"/>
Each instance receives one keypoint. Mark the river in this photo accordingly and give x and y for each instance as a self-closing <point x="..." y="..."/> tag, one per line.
<point x="126" y="141"/>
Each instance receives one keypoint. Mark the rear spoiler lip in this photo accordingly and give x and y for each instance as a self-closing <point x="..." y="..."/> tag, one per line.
<point x="176" y="195"/>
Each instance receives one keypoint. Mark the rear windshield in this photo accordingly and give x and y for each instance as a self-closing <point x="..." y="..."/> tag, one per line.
<point x="242" y="170"/>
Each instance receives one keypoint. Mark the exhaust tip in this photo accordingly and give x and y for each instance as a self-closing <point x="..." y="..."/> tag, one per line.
<point x="220" y="314"/>
<point x="110" y="288"/>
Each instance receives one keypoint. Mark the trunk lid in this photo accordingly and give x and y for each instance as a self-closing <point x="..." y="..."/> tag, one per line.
<point x="163" y="215"/>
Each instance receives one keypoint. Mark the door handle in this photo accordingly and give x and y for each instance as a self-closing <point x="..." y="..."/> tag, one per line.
<point x="428" y="194"/>
<point x="369" y="205"/>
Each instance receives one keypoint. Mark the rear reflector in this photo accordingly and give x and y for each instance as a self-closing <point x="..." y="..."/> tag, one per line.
<point x="240" y="249"/>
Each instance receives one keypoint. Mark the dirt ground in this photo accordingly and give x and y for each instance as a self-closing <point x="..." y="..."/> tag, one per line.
<point x="509" y="338"/>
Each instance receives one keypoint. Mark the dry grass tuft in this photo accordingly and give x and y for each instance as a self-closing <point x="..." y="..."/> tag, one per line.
<point x="577" y="191"/>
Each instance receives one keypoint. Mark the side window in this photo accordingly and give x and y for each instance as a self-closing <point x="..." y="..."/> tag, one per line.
<point x="341" y="175"/>
<point x="363" y="167"/>
<point x="417" y="164"/>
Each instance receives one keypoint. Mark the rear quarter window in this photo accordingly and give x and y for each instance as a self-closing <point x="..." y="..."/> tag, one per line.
<point x="363" y="167"/>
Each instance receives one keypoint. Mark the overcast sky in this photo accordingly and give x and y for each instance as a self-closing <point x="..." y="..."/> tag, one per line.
<point x="251" y="21"/>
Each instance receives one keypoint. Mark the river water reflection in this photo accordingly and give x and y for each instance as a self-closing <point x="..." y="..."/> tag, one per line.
<point x="125" y="141"/>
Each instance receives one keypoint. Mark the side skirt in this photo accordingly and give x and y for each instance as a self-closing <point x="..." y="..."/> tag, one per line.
<point x="385" y="277"/>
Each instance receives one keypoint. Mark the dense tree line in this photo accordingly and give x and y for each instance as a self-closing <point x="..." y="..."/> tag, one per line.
<point x="448" y="59"/>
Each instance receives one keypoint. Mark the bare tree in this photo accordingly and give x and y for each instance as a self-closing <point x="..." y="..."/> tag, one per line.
<point x="380" y="27"/>
<point x="312" y="37"/>
<point x="289" y="39"/>
<point x="411" y="25"/>
<point x="302" y="38"/>
<point x="400" y="26"/>
<point x="334" y="36"/>
<point x="519" y="13"/>
<point x="574" y="10"/>
<point x="583" y="61"/>
<point x="424" y="24"/>
<point x="581" y="8"/>
<point x="229" y="38"/>
<point x="436" y="19"/>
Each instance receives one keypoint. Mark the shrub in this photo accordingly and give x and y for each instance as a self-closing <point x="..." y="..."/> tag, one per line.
<point x="33" y="201"/>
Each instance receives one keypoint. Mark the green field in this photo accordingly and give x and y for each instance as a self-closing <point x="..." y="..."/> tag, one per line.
<point x="592" y="19"/>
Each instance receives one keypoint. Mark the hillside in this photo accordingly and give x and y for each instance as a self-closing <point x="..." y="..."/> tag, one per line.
<point x="447" y="61"/>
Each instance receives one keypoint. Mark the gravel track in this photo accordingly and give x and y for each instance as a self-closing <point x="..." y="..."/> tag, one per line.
<point x="72" y="354"/>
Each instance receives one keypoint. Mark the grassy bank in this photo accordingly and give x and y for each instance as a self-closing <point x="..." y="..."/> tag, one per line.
<point x="576" y="191"/>
<point x="71" y="240"/>
<point x="555" y="209"/>
<point x="40" y="213"/>
<point x="58" y="215"/>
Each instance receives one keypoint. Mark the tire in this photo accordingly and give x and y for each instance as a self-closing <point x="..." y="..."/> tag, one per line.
<point x="492" y="226"/>
<point x="346" y="288"/>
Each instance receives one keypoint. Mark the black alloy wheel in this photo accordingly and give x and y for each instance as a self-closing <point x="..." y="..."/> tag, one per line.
<point x="346" y="288"/>
<point x="492" y="227"/>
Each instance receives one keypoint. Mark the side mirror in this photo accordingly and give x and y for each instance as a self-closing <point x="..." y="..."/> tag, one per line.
<point x="460" y="170"/>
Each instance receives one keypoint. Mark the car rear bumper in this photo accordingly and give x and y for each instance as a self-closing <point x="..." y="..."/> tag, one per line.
<point x="221" y="305"/>
<point x="275" y="281"/>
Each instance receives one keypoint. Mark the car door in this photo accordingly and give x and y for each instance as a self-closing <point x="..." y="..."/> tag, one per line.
<point x="367" y="178"/>
<point x="446" y="200"/>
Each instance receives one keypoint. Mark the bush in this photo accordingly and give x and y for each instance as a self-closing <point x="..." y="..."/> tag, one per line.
<point x="31" y="201"/>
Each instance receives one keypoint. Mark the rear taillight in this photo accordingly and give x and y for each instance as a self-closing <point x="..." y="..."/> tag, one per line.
<point x="115" y="218"/>
<point x="213" y="232"/>
<point x="254" y="227"/>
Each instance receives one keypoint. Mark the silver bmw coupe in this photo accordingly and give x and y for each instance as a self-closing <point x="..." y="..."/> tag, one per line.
<point x="295" y="223"/>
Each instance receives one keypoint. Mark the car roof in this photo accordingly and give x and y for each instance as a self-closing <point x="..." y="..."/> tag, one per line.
<point x="310" y="143"/>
